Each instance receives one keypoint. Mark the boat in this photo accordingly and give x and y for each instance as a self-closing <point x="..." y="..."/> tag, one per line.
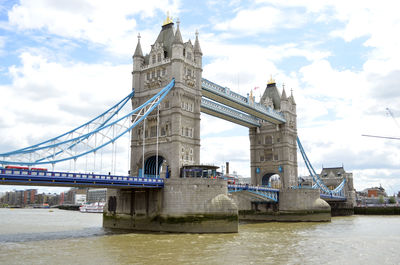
<point x="96" y="207"/>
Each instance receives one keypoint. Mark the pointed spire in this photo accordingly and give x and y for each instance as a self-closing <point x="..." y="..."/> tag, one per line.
<point x="197" y="48"/>
<point x="292" y="97"/>
<point x="138" y="51"/>
<point x="283" y="97"/>
<point x="178" y="35"/>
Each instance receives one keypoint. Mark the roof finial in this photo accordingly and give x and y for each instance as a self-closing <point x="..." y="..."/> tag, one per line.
<point x="271" y="80"/>
<point x="138" y="36"/>
<point x="197" y="33"/>
<point x="178" y="22"/>
<point x="168" y="20"/>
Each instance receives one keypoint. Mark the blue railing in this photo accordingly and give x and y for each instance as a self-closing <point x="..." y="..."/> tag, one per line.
<point x="266" y="192"/>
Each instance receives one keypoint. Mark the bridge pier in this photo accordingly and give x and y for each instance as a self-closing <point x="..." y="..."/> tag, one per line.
<point x="187" y="205"/>
<point x="295" y="205"/>
<point x="341" y="208"/>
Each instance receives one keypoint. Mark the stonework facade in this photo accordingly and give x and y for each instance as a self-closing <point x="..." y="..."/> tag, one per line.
<point x="178" y="124"/>
<point x="273" y="148"/>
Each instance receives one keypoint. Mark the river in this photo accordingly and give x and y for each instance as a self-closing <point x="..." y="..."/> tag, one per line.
<point x="43" y="236"/>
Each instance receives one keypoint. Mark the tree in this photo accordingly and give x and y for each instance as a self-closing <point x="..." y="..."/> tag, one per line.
<point x="392" y="199"/>
<point x="381" y="200"/>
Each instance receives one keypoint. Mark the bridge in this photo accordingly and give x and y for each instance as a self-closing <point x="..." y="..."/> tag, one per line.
<point x="164" y="129"/>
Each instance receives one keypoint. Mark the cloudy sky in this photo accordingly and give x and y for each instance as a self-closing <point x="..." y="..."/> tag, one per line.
<point x="63" y="62"/>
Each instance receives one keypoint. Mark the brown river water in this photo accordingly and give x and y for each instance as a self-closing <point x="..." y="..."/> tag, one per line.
<point x="43" y="236"/>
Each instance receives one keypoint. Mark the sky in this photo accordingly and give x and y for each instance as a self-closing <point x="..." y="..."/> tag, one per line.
<point x="64" y="62"/>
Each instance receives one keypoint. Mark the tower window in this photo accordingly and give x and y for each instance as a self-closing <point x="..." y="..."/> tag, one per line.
<point x="153" y="58"/>
<point x="159" y="57"/>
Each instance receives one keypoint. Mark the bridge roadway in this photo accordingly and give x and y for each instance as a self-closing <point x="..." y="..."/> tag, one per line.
<point x="252" y="110"/>
<point x="67" y="179"/>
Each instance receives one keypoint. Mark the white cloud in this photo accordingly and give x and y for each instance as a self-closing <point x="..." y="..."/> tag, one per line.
<point x="113" y="24"/>
<point x="47" y="98"/>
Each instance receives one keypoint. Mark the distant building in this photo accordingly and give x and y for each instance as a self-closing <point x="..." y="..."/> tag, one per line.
<point x="375" y="192"/>
<point x="96" y="195"/>
<point x="69" y="197"/>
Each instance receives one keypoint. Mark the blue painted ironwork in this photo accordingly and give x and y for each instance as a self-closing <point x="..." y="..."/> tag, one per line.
<point x="230" y="114"/>
<point x="338" y="192"/>
<point x="269" y="193"/>
<point x="50" y="178"/>
<point x="62" y="149"/>
<point x="226" y="93"/>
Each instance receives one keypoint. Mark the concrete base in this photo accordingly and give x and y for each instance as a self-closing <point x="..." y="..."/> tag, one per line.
<point x="183" y="205"/>
<point x="341" y="208"/>
<point x="294" y="206"/>
<point x="181" y="224"/>
<point x="297" y="216"/>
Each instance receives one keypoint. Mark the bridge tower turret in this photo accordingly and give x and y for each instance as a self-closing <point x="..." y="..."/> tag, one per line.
<point x="179" y="116"/>
<point x="273" y="148"/>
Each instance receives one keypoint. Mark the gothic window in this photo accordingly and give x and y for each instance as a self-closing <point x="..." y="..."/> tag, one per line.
<point x="189" y="55"/>
<point x="189" y="72"/>
<point x="153" y="74"/>
<point x="268" y="139"/>
<point x="158" y="73"/>
<point x="167" y="129"/>
<point x="276" y="157"/>
<point x="162" y="131"/>
<point x="163" y="71"/>
<point x="153" y="58"/>
<point x="159" y="57"/>
<point x="153" y="131"/>
<point x="148" y="76"/>
<point x="184" y="52"/>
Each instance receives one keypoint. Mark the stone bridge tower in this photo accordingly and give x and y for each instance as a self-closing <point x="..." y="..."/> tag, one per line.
<point x="179" y="116"/>
<point x="273" y="148"/>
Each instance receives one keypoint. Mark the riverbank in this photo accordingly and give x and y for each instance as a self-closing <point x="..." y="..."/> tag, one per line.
<point x="390" y="210"/>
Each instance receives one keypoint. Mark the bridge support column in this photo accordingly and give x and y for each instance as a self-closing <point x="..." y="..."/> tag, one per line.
<point x="187" y="205"/>
<point x="303" y="205"/>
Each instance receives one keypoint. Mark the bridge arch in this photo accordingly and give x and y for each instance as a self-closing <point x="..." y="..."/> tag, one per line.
<point x="154" y="165"/>
<point x="272" y="180"/>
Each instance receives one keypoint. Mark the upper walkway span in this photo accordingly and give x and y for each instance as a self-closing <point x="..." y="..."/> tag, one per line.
<point x="240" y="103"/>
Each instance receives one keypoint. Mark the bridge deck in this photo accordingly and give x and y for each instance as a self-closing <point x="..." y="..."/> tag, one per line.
<point x="66" y="179"/>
